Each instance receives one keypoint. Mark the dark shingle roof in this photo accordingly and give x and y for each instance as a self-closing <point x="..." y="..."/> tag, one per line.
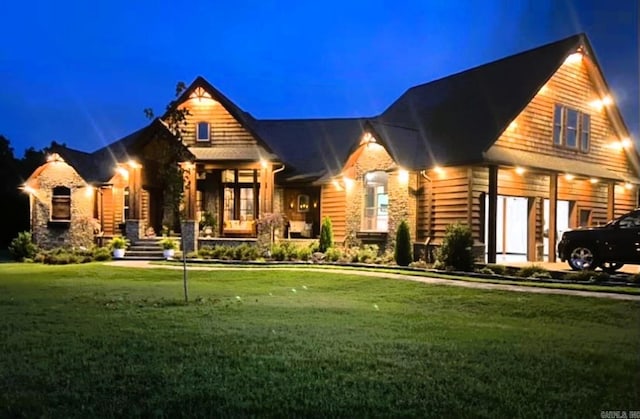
<point x="311" y="147"/>
<point x="458" y="117"/>
<point x="98" y="167"/>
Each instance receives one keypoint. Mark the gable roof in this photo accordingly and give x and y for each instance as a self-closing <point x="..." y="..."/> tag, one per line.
<point x="311" y="148"/>
<point x="244" y="118"/>
<point x="98" y="167"/>
<point x="454" y="119"/>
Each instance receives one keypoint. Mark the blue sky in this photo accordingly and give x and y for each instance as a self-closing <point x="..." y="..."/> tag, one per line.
<point x="82" y="72"/>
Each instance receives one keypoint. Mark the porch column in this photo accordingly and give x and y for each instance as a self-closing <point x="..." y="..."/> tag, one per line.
<point x="189" y="179"/>
<point x="553" y="215"/>
<point x="492" y="214"/>
<point x="531" y="230"/>
<point x="611" y="200"/>
<point x="134" y="192"/>
<point x="266" y="189"/>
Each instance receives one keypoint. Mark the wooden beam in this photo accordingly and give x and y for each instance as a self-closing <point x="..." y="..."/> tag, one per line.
<point x="611" y="200"/>
<point x="553" y="215"/>
<point x="531" y="230"/>
<point x="492" y="214"/>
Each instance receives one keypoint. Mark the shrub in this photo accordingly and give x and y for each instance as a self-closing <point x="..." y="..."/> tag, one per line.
<point x="586" y="276"/>
<point x="368" y="253"/>
<point x="531" y="271"/>
<point x="456" y="251"/>
<point x="497" y="269"/>
<point x="419" y="264"/>
<point x="486" y="270"/>
<point x="101" y="254"/>
<point x="333" y="254"/>
<point x="304" y="253"/>
<point x="167" y="243"/>
<point x="402" y="252"/>
<point x="635" y="278"/>
<point x="326" y="235"/>
<point x="278" y="252"/>
<point x="118" y="242"/>
<point x="22" y="247"/>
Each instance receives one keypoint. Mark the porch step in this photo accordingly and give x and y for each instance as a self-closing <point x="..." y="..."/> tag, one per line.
<point x="146" y="249"/>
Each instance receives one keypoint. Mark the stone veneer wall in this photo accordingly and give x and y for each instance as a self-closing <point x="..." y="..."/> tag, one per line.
<point x="402" y="199"/>
<point x="79" y="231"/>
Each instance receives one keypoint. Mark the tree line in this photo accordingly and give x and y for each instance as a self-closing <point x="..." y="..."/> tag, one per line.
<point x="15" y="202"/>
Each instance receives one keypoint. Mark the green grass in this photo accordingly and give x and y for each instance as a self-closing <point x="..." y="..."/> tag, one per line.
<point x="95" y="340"/>
<point x="525" y="282"/>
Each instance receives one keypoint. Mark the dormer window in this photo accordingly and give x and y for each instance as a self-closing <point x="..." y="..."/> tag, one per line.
<point x="203" y="131"/>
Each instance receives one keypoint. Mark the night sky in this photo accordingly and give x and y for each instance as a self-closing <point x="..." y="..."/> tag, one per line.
<point x="82" y="72"/>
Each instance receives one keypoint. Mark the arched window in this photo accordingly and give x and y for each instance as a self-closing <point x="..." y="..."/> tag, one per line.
<point x="376" y="202"/>
<point x="203" y="131"/>
<point x="61" y="204"/>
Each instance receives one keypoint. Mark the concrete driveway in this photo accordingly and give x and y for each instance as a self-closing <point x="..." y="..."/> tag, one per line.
<point x="564" y="266"/>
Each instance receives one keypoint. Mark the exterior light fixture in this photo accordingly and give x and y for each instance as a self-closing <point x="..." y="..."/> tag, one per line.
<point x="593" y="180"/>
<point x="439" y="170"/>
<point x="569" y="176"/>
<point x="28" y="189"/>
<point x="123" y="172"/>
<point x="520" y="170"/>
<point x="606" y="101"/>
<point x="348" y="182"/>
<point x="263" y="163"/>
<point x="54" y="157"/>
<point x="403" y="176"/>
<point x="626" y="143"/>
<point x="628" y="185"/>
<point x="574" y="58"/>
<point x="336" y="184"/>
<point x="134" y="164"/>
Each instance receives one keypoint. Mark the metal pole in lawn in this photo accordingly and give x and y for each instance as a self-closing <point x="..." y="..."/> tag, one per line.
<point x="184" y="273"/>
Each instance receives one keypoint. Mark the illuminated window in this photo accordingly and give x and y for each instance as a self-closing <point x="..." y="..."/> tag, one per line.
<point x="61" y="204"/>
<point x="203" y="131"/>
<point x="126" y="199"/>
<point x="376" y="202"/>
<point x="571" y="128"/>
<point x="240" y="196"/>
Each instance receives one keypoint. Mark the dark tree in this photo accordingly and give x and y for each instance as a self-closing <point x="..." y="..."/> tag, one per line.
<point x="14" y="202"/>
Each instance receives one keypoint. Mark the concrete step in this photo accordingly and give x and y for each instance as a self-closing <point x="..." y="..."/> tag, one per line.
<point x="127" y="257"/>
<point x="157" y="253"/>
<point x="145" y="248"/>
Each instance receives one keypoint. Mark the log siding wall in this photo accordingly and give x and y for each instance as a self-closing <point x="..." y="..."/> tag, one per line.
<point x="223" y="127"/>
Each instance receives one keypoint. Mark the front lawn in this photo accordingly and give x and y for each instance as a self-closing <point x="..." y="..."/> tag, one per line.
<point x="101" y="341"/>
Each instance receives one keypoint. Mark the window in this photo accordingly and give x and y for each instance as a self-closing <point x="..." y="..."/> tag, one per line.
<point x="584" y="217"/>
<point x="203" y="131"/>
<point x="126" y="199"/>
<point x="571" y="128"/>
<point x="240" y="194"/>
<point x="376" y="202"/>
<point x="61" y="204"/>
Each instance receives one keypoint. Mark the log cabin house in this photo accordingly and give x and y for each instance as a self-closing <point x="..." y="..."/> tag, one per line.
<point x="519" y="149"/>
